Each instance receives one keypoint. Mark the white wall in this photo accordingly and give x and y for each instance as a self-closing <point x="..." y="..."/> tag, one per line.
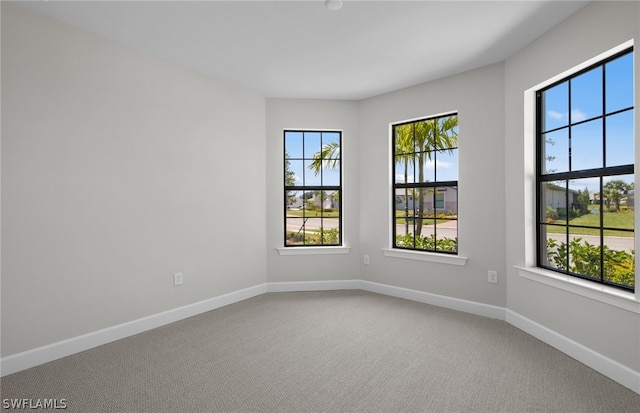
<point x="612" y="331"/>
<point x="312" y="114"/>
<point x="117" y="171"/>
<point x="478" y="97"/>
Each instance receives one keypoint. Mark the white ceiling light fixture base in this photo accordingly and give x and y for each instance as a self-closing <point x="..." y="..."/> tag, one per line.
<point x="333" y="5"/>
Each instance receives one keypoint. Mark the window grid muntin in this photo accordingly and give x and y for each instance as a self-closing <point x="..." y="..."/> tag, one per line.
<point x="313" y="188"/>
<point x="417" y="186"/>
<point x="601" y="173"/>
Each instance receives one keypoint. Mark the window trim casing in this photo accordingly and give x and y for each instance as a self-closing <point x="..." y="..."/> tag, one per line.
<point x="603" y="172"/>
<point x="528" y="269"/>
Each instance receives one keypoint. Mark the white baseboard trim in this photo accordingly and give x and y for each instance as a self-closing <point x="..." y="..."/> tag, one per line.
<point x="485" y="310"/>
<point x="31" y="358"/>
<point x="610" y="368"/>
<point x="600" y="363"/>
<point x="289" y="286"/>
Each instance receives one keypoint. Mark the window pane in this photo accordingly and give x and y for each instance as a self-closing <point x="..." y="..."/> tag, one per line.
<point x="312" y="176"/>
<point x="451" y="202"/>
<point x="295" y="231"/>
<point x="447" y="165"/>
<point x="584" y="253"/>
<point x="331" y="174"/>
<point x="619" y="260"/>
<point x="620" y="145"/>
<point x="426" y="230"/>
<point x="444" y="239"/>
<point x="553" y="200"/>
<point x="425" y="167"/>
<point x="296" y="168"/>
<point x="586" y="95"/>
<point x="447" y="133"/>
<point x="404" y="202"/>
<point x="556" y="151"/>
<point x="293" y="144"/>
<point x="312" y="144"/>
<point x="330" y="138"/>
<point x="619" y="78"/>
<point x="582" y="196"/>
<point x="403" y="139"/>
<point x="586" y="145"/>
<point x="555" y="107"/>
<point x="310" y="200"/>
<point x="332" y="203"/>
<point x="405" y="230"/>
<point x="553" y="250"/>
<point x="404" y="171"/>
<point x="618" y="197"/>
<point x="294" y="201"/>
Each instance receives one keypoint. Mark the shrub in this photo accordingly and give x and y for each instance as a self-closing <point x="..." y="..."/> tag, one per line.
<point x="584" y="258"/>
<point x="552" y="214"/>
<point x="329" y="236"/>
<point x="428" y="243"/>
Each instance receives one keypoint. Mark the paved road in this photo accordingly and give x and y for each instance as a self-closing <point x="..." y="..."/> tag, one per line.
<point x="614" y="243"/>
<point x="312" y="223"/>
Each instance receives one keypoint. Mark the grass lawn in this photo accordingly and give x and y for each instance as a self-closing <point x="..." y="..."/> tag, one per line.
<point x="312" y="213"/>
<point x="622" y="219"/>
<point x="425" y="221"/>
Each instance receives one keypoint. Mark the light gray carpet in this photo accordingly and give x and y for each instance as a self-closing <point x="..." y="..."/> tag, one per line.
<point x="339" y="351"/>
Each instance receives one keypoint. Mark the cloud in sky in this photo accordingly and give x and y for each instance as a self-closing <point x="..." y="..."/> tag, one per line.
<point x="555" y="115"/>
<point x="429" y="164"/>
<point x="576" y="115"/>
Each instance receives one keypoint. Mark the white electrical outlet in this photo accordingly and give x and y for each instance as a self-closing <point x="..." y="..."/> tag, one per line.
<point x="493" y="276"/>
<point x="366" y="260"/>
<point x="177" y="279"/>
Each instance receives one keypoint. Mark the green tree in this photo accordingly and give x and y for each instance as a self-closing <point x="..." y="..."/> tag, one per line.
<point x="614" y="192"/>
<point x="404" y="149"/>
<point x="439" y="134"/>
<point x="289" y="179"/>
<point x="583" y="201"/>
<point x="328" y="157"/>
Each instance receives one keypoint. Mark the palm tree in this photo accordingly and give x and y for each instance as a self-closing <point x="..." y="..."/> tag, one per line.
<point x="613" y="191"/>
<point x="328" y="157"/>
<point x="404" y="149"/>
<point x="440" y="134"/>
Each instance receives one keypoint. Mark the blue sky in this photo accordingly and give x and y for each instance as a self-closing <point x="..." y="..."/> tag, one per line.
<point x="586" y="138"/>
<point x="301" y="151"/>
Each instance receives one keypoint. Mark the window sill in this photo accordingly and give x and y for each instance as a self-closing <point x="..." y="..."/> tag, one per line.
<point x="313" y="250"/>
<point x="605" y="294"/>
<point x="426" y="256"/>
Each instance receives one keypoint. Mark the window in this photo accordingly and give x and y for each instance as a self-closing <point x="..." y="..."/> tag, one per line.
<point x="585" y="174"/>
<point x="312" y="188"/>
<point x="425" y="184"/>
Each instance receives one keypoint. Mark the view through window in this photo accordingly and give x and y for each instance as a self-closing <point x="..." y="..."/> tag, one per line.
<point x="313" y="188"/>
<point x="425" y="184"/>
<point x="585" y="174"/>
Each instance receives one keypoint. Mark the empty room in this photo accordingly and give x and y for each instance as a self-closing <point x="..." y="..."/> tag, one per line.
<point x="319" y="206"/>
